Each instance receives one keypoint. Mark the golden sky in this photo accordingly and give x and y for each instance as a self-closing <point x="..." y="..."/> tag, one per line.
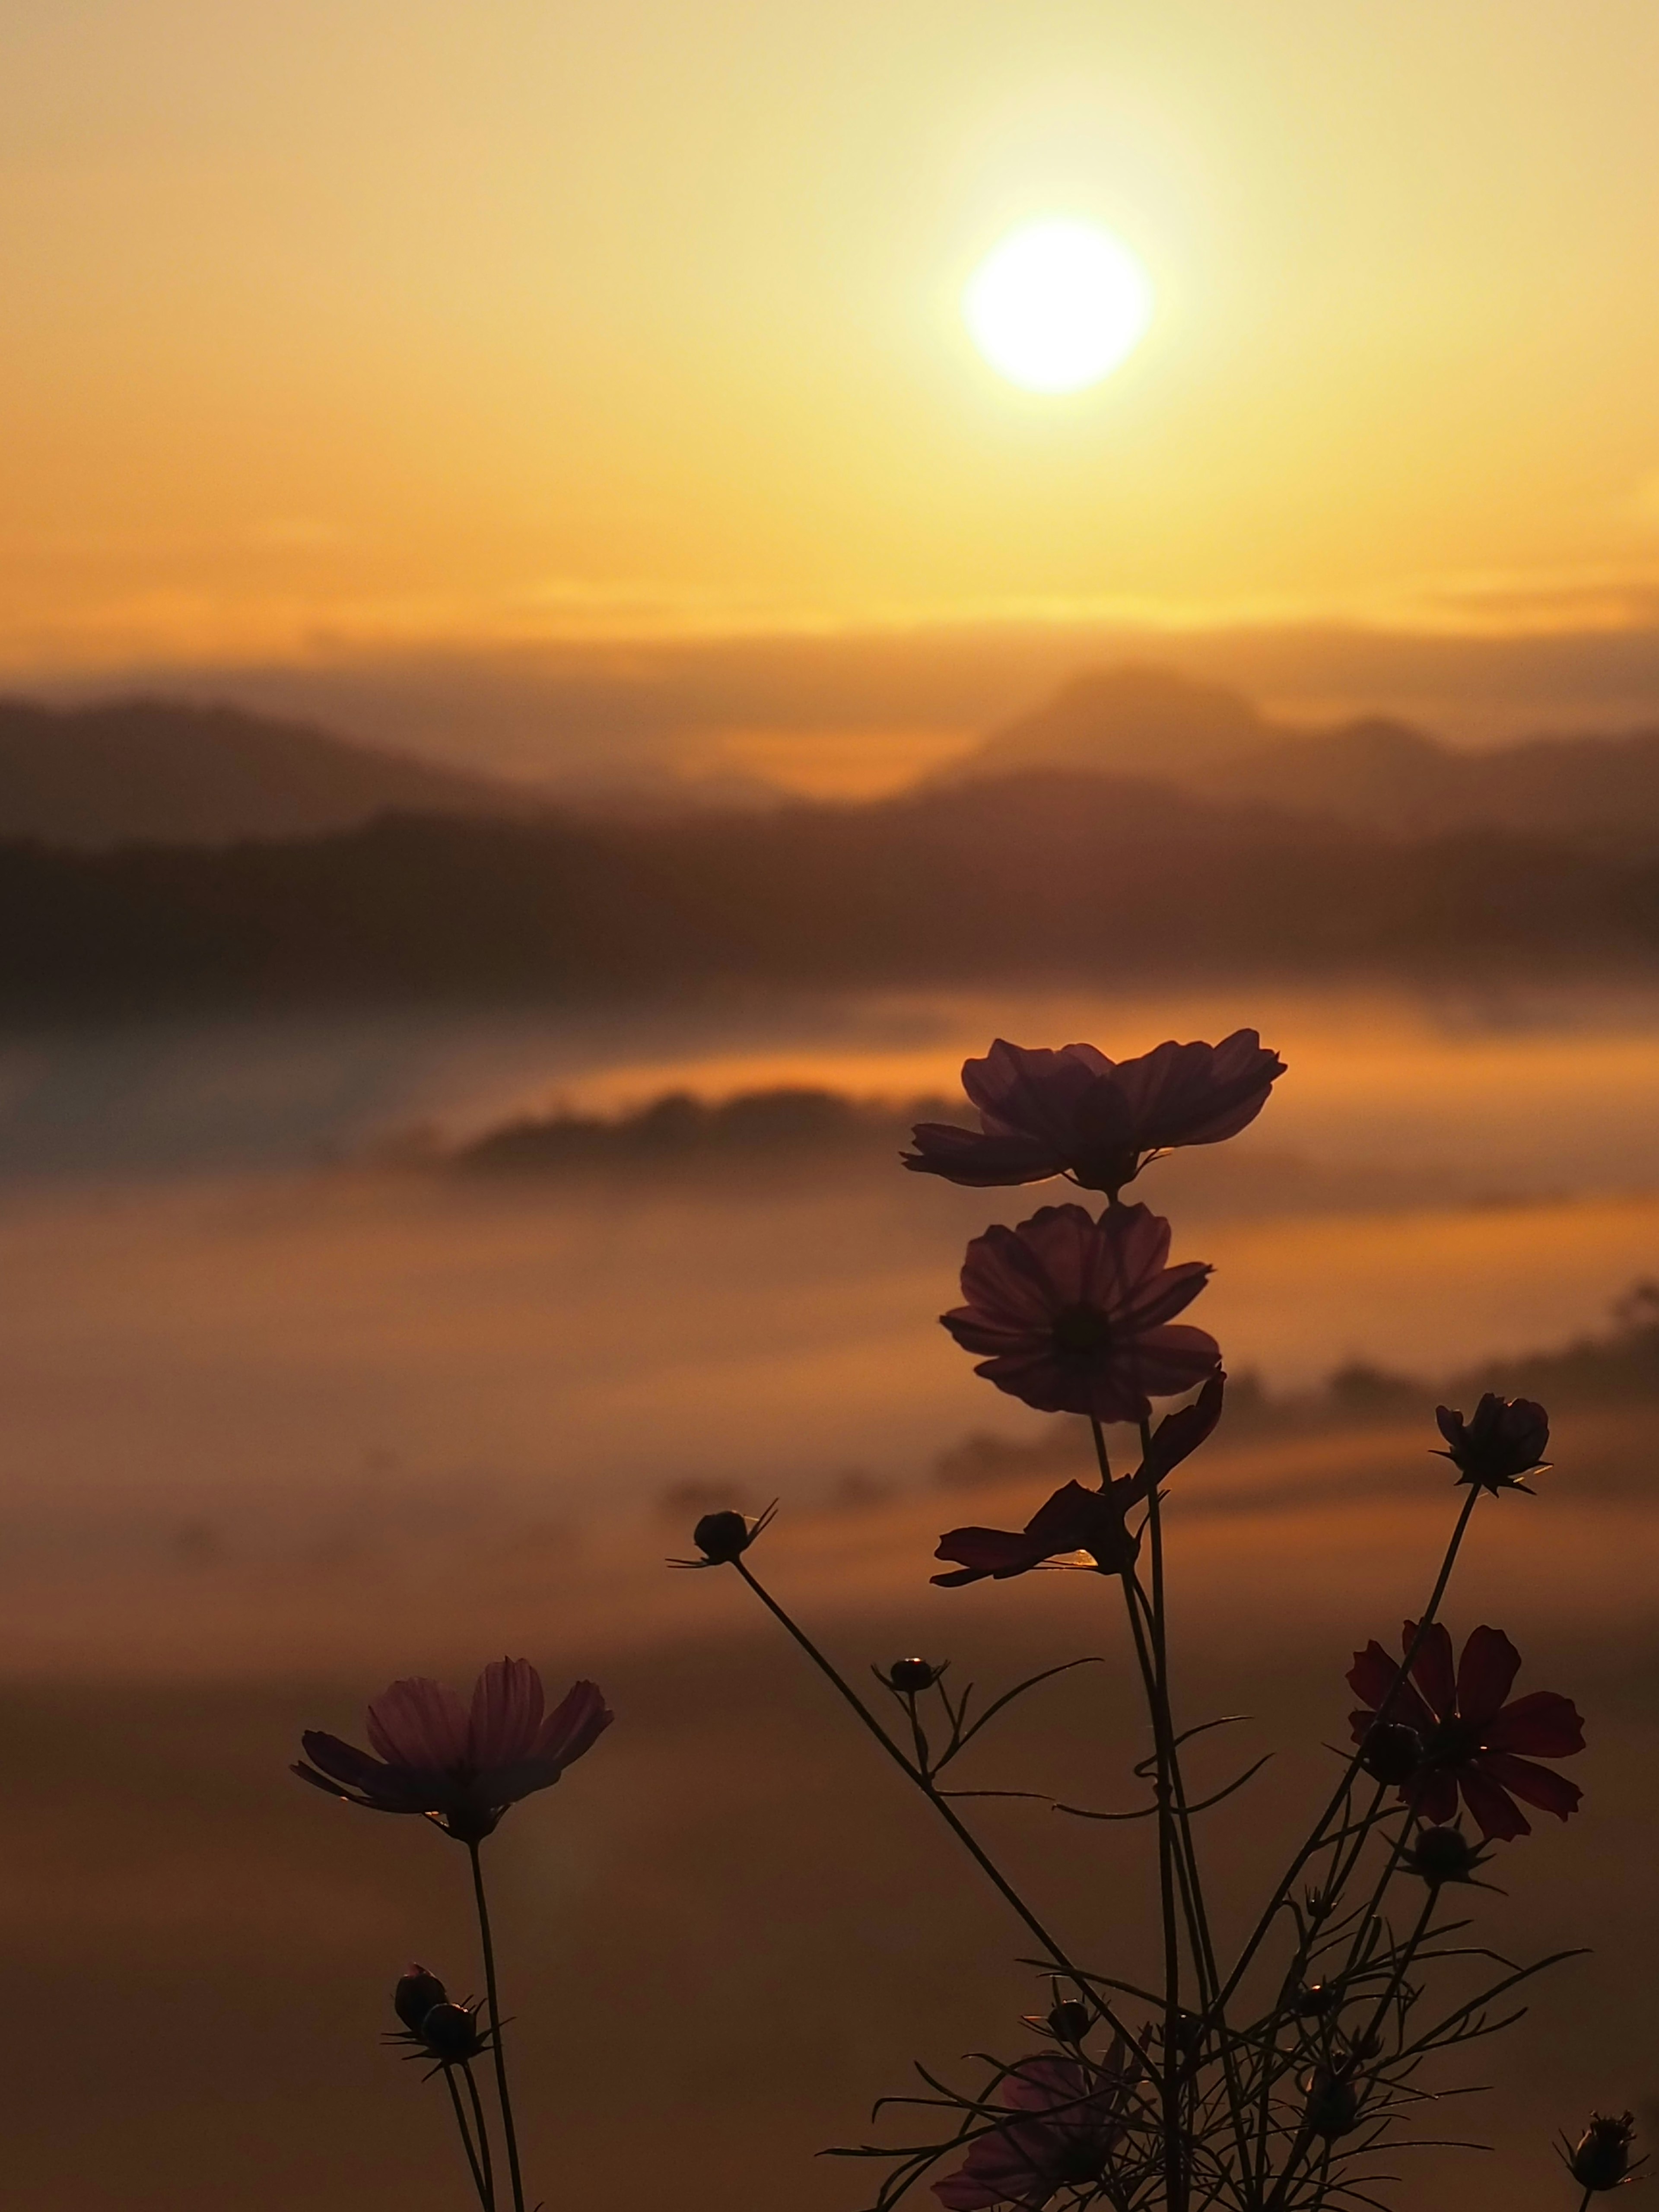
<point x="438" y="321"/>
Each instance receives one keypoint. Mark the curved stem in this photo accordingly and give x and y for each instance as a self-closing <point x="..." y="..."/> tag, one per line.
<point x="497" y="2040"/>
<point x="476" y="2170"/>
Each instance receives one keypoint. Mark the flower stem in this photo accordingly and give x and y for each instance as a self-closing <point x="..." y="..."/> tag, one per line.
<point x="1425" y="1622"/>
<point x="496" y="2041"/>
<point x="484" y="2137"/>
<point x="942" y="1807"/>
<point x="484" y="2196"/>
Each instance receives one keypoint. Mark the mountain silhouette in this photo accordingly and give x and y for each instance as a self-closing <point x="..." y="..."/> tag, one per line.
<point x="1372" y="773"/>
<point x="149" y="770"/>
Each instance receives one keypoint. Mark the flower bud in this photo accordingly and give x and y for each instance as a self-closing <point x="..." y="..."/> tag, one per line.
<point x="1070" y="2020"/>
<point x="909" y="1676"/>
<point x="1443" y="1854"/>
<point x="1502" y="1440"/>
<point x="416" y="1992"/>
<point x="1312" y="2000"/>
<point x="1333" y="2107"/>
<point x="451" y="2034"/>
<point x="723" y="1537"/>
<point x="1392" y="1753"/>
<point x="1601" y="2157"/>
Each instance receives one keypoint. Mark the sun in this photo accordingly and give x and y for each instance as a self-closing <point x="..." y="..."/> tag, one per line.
<point x="1058" y="305"/>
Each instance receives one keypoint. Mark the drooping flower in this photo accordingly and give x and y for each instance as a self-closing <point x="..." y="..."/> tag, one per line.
<point x="1066" y="2117"/>
<point x="1076" y="1113"/>
<point x="1502" y="1439"/>
<point x="1075" y="1314"/>
<point x="1474" y="1742"/>
<point x="1601" y="2158"/>
<point x="461" y="1768"/>
<point x="1075" y="1519"/>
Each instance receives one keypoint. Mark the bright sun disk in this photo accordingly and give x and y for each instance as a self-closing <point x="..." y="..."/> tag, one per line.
<point x="1058" y="305"/>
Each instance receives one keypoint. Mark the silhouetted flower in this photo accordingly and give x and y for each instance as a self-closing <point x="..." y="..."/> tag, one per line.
<point x="1601" y="2158"/>
<point x="1472" y="1739"/>
<point x="1075" y="1314"/>
<point x="1066" y="2117"/>
<point x="1441" y="1854"/>
<point x="1333" y="2106"/>
<point x="450" y="2034"/>
<point x="723" y="1537"/>
<point x="461" y="1768"/>
<point x="416" y="1992"/>
<point x="1075" y="1519"/>
<point x="909" y="1677"/>
<point x="1502" y="1439"/>
<point x="1076" y="1113"/>
<point x="1391" y="1751"/>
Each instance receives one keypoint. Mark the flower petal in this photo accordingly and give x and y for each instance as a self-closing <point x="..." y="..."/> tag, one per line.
<point x="1550" y="1792"/>
<point x="1485" y="1673"/>
<point x="574" y="1725"/>
<point x="1433" y="1795"/>
<point x="1497" y="1815"/>
<point x="1432" y="1668"/>
<point x="1544" y="1723"/>
<point x="507" y="1714"/>
<point x="419" y="1724"/>
<point x="980" y="1162"/>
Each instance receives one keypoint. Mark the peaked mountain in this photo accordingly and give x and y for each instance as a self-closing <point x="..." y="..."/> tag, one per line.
<point x="1372" y="773"/>
<point x="152" y="770"/>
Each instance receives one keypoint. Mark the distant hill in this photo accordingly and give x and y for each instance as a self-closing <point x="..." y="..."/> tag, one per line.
<point x="150" y="771"/>
<point x="1372" y="773"/>
<point x="1056" y="876"/>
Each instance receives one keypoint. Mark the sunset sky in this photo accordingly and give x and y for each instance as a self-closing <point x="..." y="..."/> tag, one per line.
<point x="404" y="323"/>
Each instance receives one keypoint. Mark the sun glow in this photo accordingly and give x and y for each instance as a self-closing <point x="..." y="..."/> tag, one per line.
<point x="1058" y="305"/>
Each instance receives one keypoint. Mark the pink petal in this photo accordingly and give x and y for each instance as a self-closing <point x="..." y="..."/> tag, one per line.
<point x="1178" y="1435"/>
<point x="983" y="1163"/>
<point x="1168" y="1360"/>
<point x="1433" y="1795"/>
<point x="1065" y="1244"/>
<point x="1545" y="1724"/>
<point x="420" y="1723"/>
<point x="1432" y="1670"/>
<point x="1005" y="1282"/>
<point x="1134" y="1246"/>
<point x="1485" y="1673"/>
<point x="1497" y="1815"/>
<point x="507" y="1714"/>
<point x="987" y="1551"/>
<point x="574" y="1725"/>
<point x="1550" y="1792"/>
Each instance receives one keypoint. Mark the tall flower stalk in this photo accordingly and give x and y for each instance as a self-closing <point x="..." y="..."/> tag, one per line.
<point x="1267" y="2086"/>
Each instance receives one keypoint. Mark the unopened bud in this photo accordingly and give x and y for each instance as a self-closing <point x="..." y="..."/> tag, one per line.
<point x="1070" y="2020"/>
<point x="1392" y="1753"/>
<point x="909" y="1676"/>
<point x="416" y="1992"/>
<point x="1601" y="2157"/>
<point x="1332" y="2108"/>
<point x="1441" y="1854"/>
<point x="1312" y="2000"/>
<point x="723" y="1537"/>
<point x="450" y="2033"/>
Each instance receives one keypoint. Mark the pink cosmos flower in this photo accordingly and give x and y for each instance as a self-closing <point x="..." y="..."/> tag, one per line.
<point x="1076" y="1113"/>
<point x="1502" y="1440"/>
<point x="461" y="1768"/>
<point x="1079" y="1520"/>
<point x="1075" y="1314"/>
<point x="1473" y="1739"/>
<point x="1066" y="2117"/>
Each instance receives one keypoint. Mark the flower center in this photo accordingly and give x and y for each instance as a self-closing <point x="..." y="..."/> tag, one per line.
<point x="1083" y="1331"/>
<point x="1452" y="1743"/>
<point x="1076" y="2162"/>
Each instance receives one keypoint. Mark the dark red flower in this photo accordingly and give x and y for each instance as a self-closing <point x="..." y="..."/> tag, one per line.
<point x="461" y="1768"/>
<point x="1075" y="1313"/>
<point x="1075" y="1519"/>
<point x="1065" y="2119"/>
<point x="1502" y="1439"/>
<point x="1473" y="1739"/>
<point x="1076" y="1113"/>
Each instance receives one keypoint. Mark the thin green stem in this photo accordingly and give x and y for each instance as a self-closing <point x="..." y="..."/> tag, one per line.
<point x="1425" y="1623"/>
<point x="497" y="2039"/>
<point x="476" y="2170"/>
<point x="483" y="2136"/>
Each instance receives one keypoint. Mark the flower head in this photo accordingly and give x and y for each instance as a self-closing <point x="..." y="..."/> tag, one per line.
<point x="1601" y="2158"/>
<point x="1502" y="1439"/>
<point x="1473" y="1739"/>
<point x="1066" y="2118"/>
<point x="1079" y="1520"/>
<point x="1075" y="1314"/>
<point x="1437" y="1855"/>
<point x="460" y="1767"/>
<point x="1076" y="1113"/>
<point x="722" y="1538"/>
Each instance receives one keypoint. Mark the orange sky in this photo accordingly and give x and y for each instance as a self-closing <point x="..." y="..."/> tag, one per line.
<point x="404" y="321"/>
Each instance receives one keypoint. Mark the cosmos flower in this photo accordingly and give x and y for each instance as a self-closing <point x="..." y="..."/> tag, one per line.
<point x="1076" y="1113"/>
<point x="1502" y="1440"/>
<point x="1075" y="1314"/>
<point x="1474" y="1740"/>
<point x="461" y="1768"/>
<point x="1079" y="1520"/>
<point x="1066" y="2120"/>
